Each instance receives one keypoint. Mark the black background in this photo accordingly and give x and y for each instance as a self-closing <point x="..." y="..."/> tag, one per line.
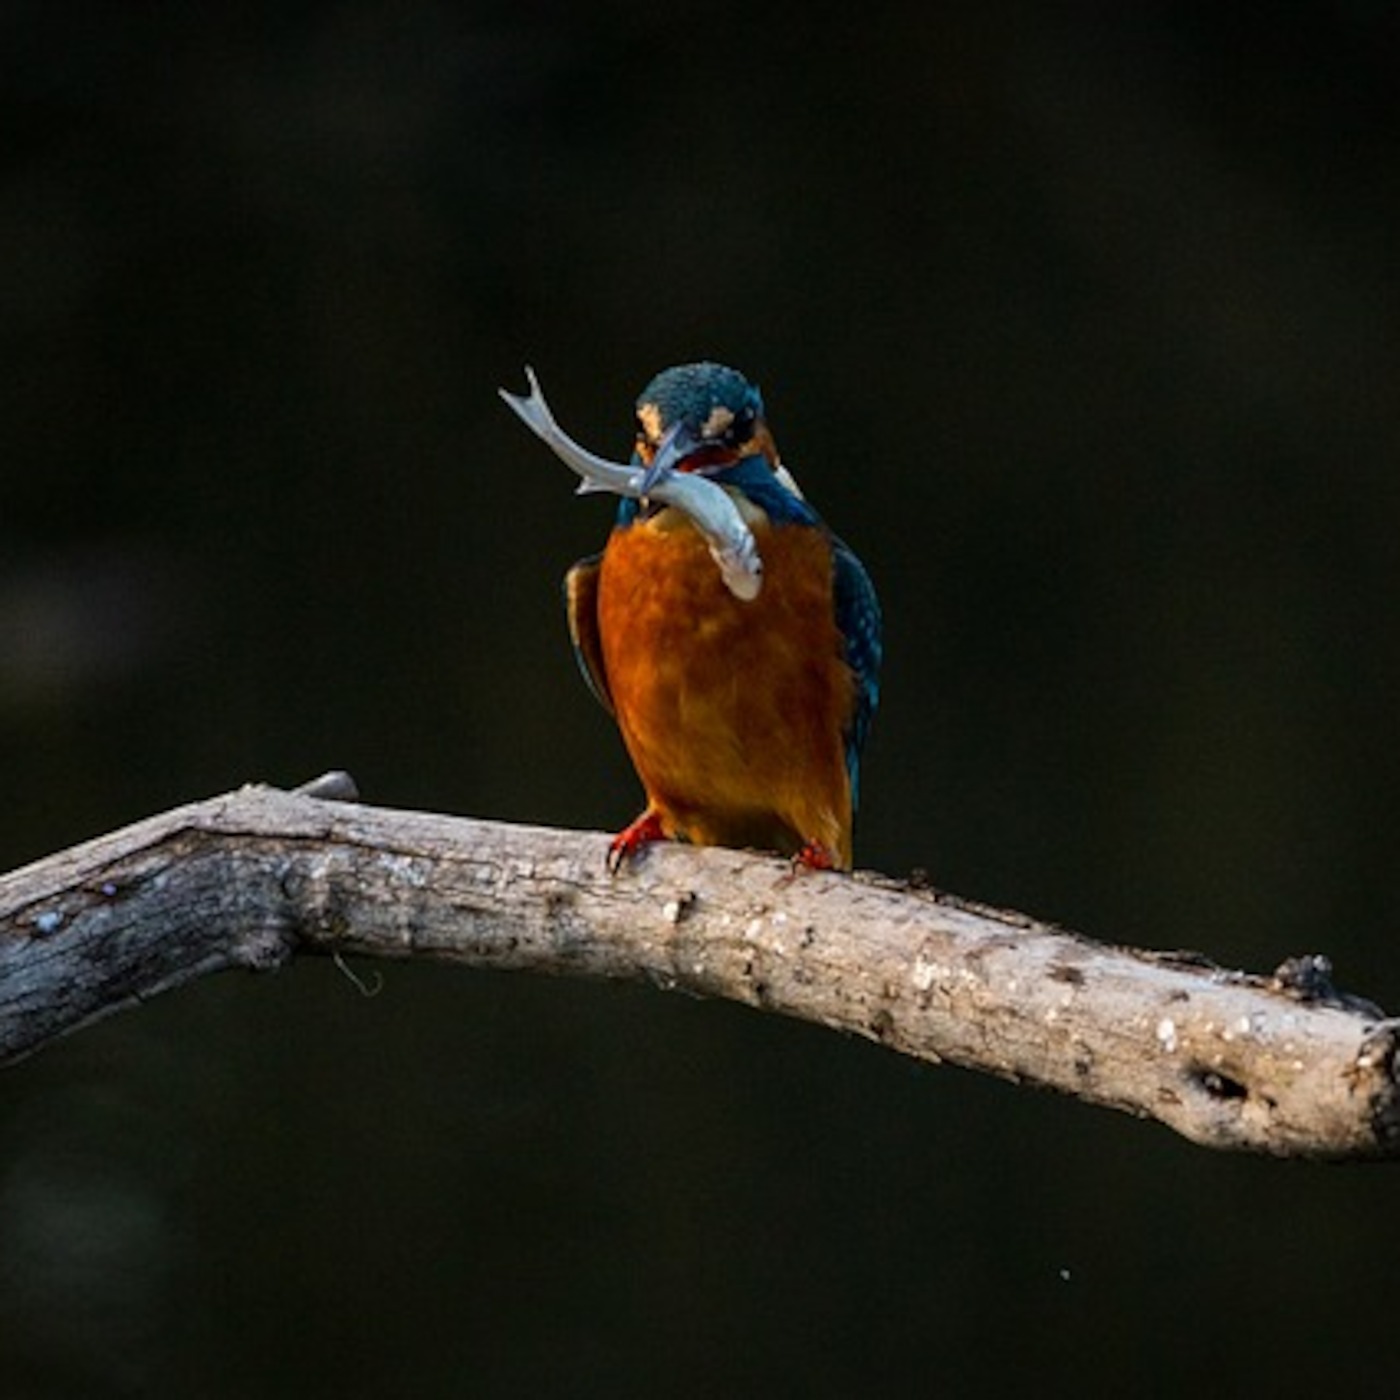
<point x="1078" y="322"/>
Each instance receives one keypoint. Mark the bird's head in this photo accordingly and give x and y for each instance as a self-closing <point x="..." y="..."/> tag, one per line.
<point x="700" y="418"/>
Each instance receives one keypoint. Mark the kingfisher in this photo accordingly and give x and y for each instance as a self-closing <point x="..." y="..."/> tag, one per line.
<point x="744" y="718"/>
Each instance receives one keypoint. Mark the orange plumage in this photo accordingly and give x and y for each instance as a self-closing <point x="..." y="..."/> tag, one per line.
<point x="732" y="711"/>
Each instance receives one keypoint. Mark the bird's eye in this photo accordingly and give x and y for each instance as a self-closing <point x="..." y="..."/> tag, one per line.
<point x="740" y="430"/>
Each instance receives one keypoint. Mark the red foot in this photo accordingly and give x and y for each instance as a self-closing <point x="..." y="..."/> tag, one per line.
<point x="642" y="832"/>
<point x="815" y="856"/>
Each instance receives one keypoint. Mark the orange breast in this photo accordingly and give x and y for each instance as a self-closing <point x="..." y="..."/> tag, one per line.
<point x="732" y="711"/>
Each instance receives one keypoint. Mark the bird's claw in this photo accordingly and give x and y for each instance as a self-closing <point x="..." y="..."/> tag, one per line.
<point x="815" y="856"/>
<point x="633" y="838"/>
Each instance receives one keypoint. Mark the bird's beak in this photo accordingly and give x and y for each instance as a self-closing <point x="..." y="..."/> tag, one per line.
<point x="677" y="443"/>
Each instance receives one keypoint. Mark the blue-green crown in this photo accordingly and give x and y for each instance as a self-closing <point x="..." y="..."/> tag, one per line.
<point x="690" y="394"/>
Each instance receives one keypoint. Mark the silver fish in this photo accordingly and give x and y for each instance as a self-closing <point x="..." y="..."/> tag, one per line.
<point x="709" y="507"/>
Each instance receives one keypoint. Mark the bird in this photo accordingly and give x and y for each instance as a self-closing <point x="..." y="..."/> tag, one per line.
<point x="744" y="718"/>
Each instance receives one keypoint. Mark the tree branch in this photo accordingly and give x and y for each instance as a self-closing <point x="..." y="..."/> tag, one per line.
<point x="1281" y="1065"/>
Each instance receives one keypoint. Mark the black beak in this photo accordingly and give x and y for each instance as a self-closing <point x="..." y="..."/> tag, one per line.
<point x="677" y="443"/>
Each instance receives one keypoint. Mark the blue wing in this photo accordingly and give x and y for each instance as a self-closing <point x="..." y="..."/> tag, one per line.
<point x="858" y="618"/>
<point x="581" y="605"/>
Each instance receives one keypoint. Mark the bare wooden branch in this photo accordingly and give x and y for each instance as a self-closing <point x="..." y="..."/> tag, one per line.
<point x="1282" y="1065"/>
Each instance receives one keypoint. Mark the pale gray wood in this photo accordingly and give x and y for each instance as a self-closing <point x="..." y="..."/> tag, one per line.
<point x="251" y="879"/>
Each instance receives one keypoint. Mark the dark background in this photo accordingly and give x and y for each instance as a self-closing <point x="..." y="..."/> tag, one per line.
<point x="1079" y="322"/>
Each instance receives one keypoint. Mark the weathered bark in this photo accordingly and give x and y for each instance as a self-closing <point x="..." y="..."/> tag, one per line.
<point x="1280" y="1065"/>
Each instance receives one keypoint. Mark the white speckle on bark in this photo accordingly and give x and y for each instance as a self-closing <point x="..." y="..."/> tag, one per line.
<point x="925" y="973"/>
<point x="405" y="869"/>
